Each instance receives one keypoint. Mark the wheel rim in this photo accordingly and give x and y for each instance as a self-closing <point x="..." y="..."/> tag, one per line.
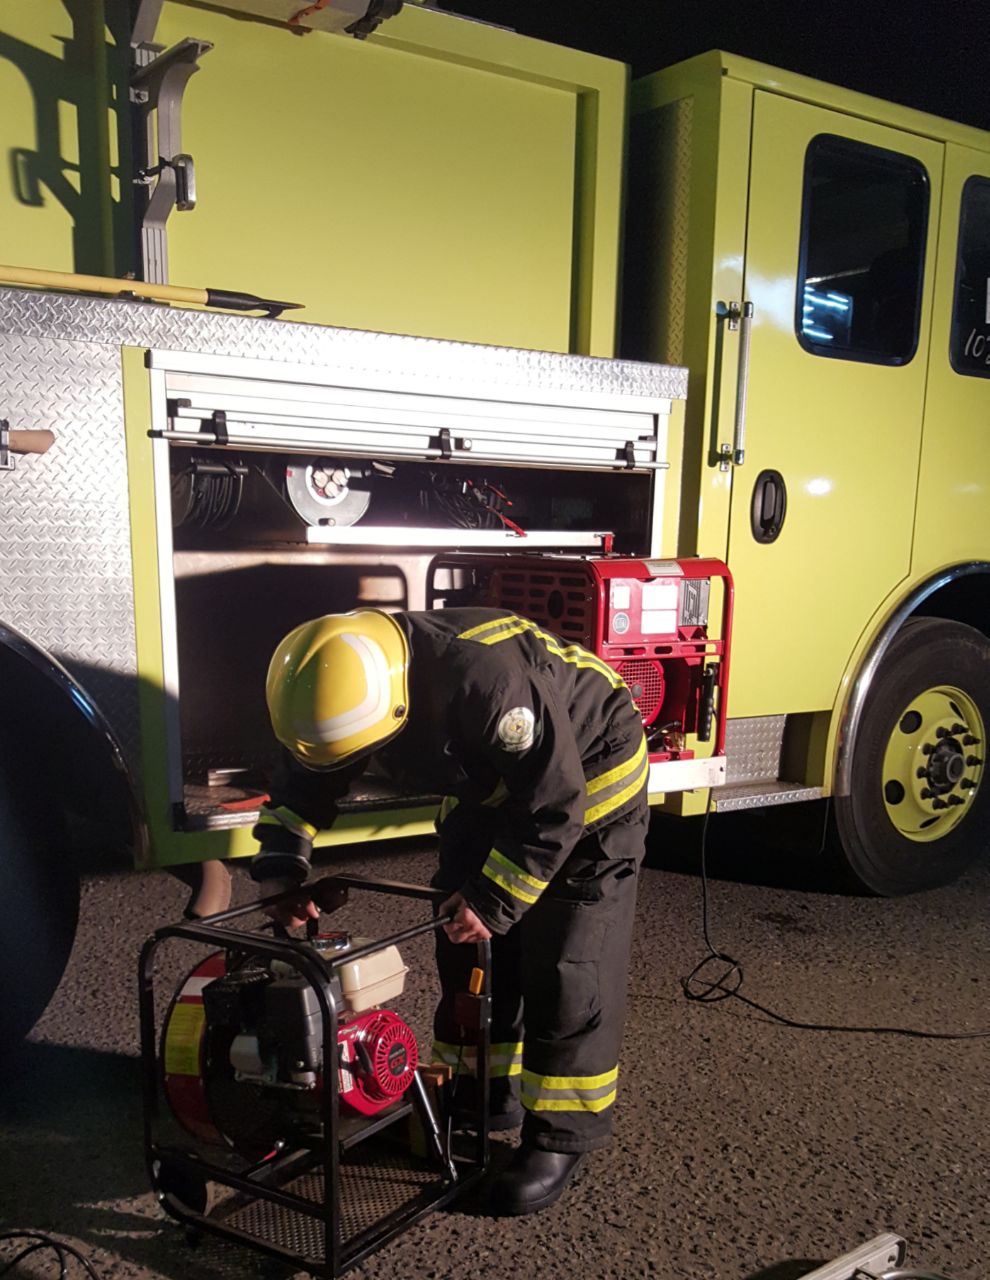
<point x="933" y="765"/>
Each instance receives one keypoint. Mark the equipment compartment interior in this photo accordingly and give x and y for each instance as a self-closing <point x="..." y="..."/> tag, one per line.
<point x="245" y="574"/>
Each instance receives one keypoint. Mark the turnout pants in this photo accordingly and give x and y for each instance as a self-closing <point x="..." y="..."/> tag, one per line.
<point x="558" y="991"/>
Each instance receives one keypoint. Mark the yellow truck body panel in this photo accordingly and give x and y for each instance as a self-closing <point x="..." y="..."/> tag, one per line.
<point x="440" y="178"/>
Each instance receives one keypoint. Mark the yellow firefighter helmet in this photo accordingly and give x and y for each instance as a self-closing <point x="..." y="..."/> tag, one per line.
<point x="337" y="687"/>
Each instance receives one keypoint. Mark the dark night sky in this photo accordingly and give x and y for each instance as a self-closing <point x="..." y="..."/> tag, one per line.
<point x="934" y="56"/>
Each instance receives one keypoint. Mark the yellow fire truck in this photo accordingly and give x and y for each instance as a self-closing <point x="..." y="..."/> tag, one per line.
<point x="796" y="388"/>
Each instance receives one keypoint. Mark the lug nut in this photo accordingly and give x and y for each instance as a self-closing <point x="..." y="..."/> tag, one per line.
<point x="967" y="784"/>
<point x="941" y="732"/>
<point x="956" y="800"/>
<point x="922" y="773"/>
<point x="973" y="760"/>
<point x="926" y="748"/>
<point x="958" y="728"/>
<point x="939" y="804"/>
<point x="970" y="741"/>
<point x="926" y="793"/>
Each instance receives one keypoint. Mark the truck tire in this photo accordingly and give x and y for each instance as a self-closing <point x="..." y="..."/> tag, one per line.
<point x="39" y="905"/>
<point x="919" y="809"/>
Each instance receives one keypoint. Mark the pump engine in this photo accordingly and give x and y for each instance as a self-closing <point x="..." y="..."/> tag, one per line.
<point x="243" y="1045"/>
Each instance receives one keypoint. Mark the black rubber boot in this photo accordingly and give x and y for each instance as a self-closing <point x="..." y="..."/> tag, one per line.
<point x="534" y="1180"/>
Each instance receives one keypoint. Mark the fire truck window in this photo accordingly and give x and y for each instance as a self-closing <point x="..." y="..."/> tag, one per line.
<point x="970" y="346"/>
<point x="864" y="224"/>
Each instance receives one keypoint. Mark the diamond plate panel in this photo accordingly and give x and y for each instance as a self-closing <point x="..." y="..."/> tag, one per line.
<point x="753" y="747"/>
<point x="65" y="561"/>
<point x="763" y="795"/>
<point x="431" y="363"/>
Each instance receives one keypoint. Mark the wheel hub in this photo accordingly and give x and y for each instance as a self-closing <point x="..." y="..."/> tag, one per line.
<point x="933" y="764"/>
<point x="946" y="765"/>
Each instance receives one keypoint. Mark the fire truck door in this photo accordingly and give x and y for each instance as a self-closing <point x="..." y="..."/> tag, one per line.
<point x="953" y="508"/>
<point x="842" y="223"/>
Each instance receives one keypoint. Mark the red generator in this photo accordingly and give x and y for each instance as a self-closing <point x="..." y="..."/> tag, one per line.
<point x="648" y="619"/>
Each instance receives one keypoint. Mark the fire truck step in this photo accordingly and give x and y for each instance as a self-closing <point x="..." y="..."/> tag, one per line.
<point x="757" y="795"/>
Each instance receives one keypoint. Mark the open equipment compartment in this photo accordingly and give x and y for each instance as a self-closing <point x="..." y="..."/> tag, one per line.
<point x="285" y="491"/>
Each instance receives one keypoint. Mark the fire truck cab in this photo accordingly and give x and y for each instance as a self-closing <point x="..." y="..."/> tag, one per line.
<point x="819" y="260"/>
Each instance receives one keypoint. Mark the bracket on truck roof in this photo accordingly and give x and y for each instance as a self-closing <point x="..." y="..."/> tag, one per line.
<point x="158" y="83"/>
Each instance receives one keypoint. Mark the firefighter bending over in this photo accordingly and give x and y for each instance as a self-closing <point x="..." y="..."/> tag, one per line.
<point x="541" y="754"/>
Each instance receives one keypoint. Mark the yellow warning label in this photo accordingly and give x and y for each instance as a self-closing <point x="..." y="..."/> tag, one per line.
<point x="183" y="1038"/>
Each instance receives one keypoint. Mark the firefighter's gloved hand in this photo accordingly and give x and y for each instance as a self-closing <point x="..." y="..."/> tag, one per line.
<point x="282" y="863"/>
<point x="294" y="911"/>
<point x="465" y="926"/>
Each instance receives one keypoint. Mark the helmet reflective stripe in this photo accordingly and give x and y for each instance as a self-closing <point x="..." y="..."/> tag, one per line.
<point x="375" y="704"/>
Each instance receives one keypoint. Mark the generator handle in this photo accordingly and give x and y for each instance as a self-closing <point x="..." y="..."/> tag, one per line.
<point x="399" y="887"/>
<point x="394" y="940"/>
<point x="209" y="928"/>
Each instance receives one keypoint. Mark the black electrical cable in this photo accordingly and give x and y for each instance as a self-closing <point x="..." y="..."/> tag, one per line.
<point x="728" y="983"/>
<point x="463" y="502"/>
<point x="60" y="1248"/>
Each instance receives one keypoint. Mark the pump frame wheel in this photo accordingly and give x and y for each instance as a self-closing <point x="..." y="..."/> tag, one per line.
<point x="918" y="809"/>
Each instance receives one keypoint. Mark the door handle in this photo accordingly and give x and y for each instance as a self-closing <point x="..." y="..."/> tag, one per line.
<point x="742" y="384"/>
<point x="739" y="316"/>
<point x="769" y="506"/>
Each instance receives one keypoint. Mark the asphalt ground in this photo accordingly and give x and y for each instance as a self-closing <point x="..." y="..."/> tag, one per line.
<point x="743" y="1148"/>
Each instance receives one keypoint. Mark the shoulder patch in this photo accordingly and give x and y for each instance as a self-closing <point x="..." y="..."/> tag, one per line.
<point x="517" y="729"/>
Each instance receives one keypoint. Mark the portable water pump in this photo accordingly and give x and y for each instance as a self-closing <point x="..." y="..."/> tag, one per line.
<point x="242" y="1045"/>
<point x="285" y="1103"/>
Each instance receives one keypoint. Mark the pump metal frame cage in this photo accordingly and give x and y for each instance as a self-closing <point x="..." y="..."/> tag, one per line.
<point x="307" y="1206"/>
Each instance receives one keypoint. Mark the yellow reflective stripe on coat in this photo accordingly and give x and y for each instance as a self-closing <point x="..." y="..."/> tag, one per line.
<point x="571" y="653"/>
<point x="473" y="632"/>
<point x="620" y="798"/>
<point x="513" y="879"/>
<point x="615" y="781"/>
<point x="569" y="1093"/>
<point x="617" y="774"/>
<point x="284" y="817"/>
<point x="515" y="627"/>
<point x="505" y="628"/>
<point x="579" y="657"/>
